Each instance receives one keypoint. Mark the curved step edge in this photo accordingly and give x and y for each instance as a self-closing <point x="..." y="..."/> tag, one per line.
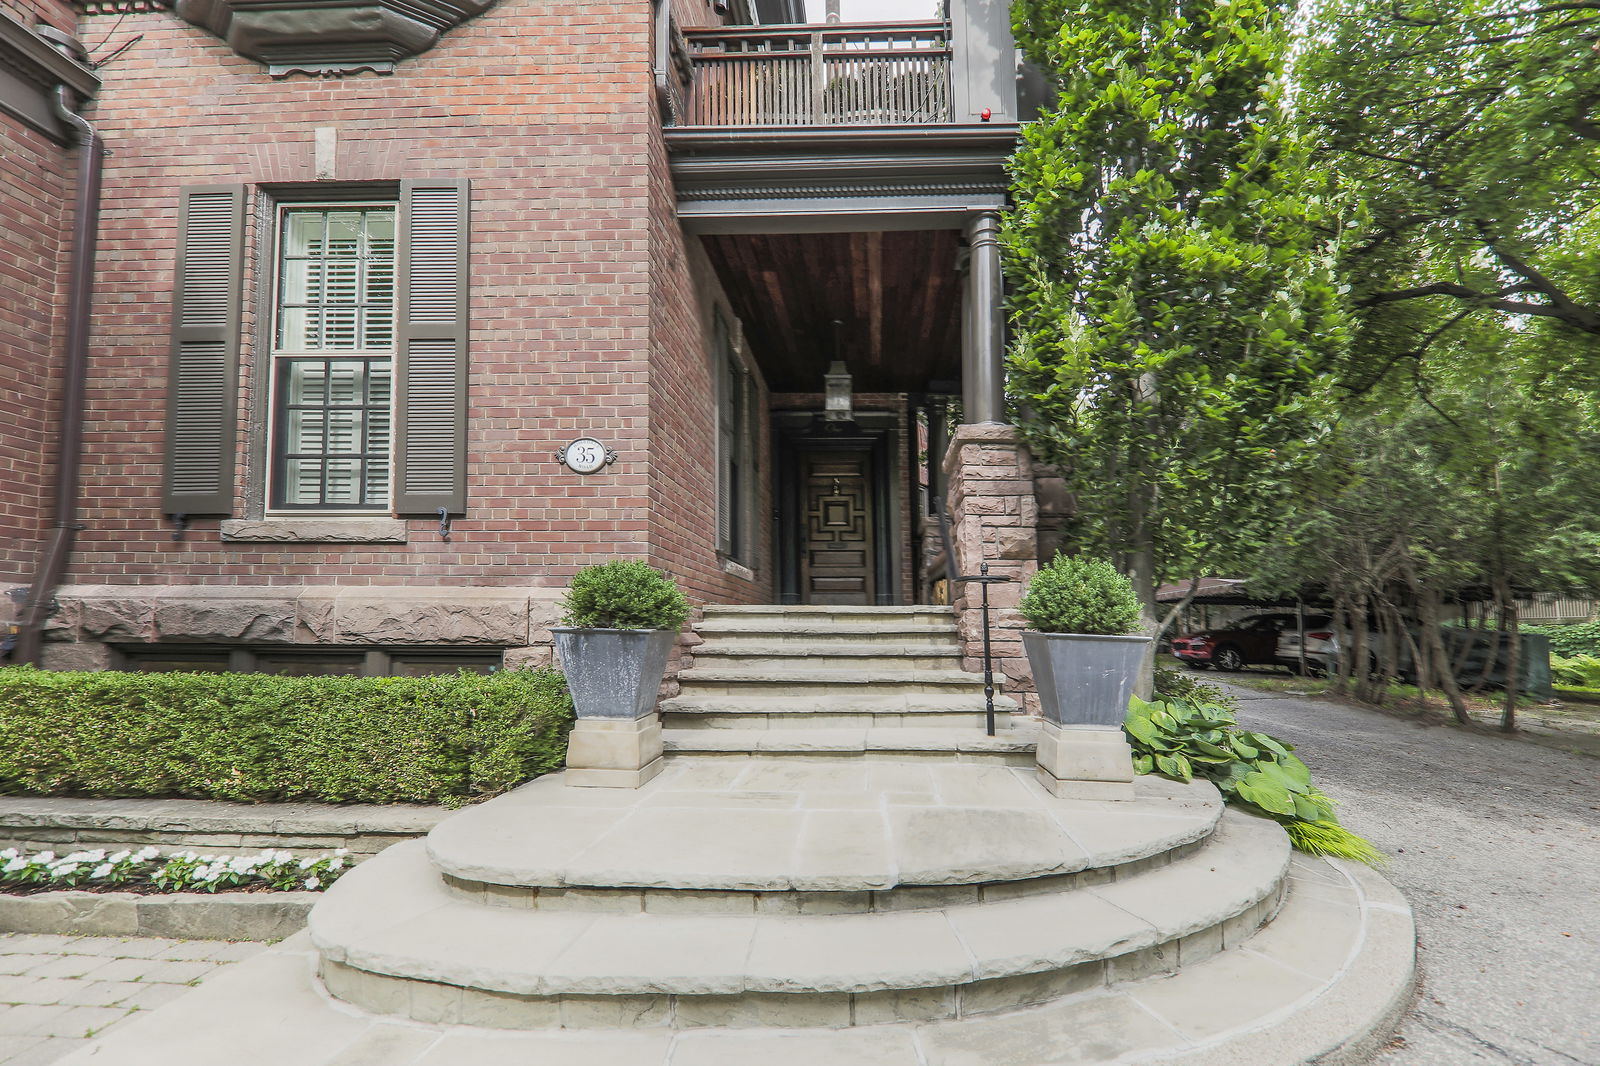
<point x="392" y="928"/>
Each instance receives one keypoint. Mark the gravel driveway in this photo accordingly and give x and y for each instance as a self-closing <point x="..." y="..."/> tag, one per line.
<point x="1496" y="842"/>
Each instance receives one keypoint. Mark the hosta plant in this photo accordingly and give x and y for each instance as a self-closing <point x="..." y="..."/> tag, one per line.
<point x="148" y="871"/>
<point x="1184" y="740"/>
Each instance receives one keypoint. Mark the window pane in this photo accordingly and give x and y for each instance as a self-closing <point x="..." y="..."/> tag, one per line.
<point x="343" y="481"/>
<point x="344" y="432"/>
<point x="302" y="482"/>
<point x="347" y="382"/>
<point x="303" y="233"/>
<point x="306" y="429"/>
<point x="344" y="233"/>
<point x="308" y="382"/>
<point x="302" y="281"/>
<point x="297" y="328"/>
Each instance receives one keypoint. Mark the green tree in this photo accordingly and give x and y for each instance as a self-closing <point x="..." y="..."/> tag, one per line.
<point x="1473" y="129"/>
<point x="1175" y="313"/>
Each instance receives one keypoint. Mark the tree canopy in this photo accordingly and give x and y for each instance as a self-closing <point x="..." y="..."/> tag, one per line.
<point x="1175" y="311"/>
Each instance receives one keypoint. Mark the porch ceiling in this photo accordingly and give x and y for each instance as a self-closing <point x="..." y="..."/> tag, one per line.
<point x="896" y="294"/>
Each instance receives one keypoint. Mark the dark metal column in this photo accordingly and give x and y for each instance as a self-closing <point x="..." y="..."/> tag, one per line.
<point x="983" y="343"/>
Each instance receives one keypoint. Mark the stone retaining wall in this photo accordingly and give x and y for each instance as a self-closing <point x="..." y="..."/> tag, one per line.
<point x="179" y="915"/>
<point x="65" y="824"/>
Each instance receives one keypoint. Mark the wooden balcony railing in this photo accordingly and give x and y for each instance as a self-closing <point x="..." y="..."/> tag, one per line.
<point x="861" y="74"/>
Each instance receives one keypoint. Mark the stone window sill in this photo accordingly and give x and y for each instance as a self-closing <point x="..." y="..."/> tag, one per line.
<point x="316" y="530"/>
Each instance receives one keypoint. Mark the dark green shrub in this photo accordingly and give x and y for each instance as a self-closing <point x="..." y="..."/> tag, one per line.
<point x="1075" y="594"/>
<point x="261" y="738"/>
<point x="1568" y="641"/>
<point x="624" y="594"/>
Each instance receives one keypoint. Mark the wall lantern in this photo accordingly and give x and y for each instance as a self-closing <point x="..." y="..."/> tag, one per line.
<point x="836" y="393"/>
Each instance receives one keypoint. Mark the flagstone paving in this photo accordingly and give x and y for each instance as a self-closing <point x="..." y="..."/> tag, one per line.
<point x="58" y="991"/>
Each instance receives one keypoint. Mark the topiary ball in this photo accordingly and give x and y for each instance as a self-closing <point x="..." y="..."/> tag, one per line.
<point x="1075" y="594"/>
<point x="624" y="594"/>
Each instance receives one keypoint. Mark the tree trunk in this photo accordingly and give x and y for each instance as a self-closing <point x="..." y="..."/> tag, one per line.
<point x="1508" y="633"/>
<point x="1445" y="669"/>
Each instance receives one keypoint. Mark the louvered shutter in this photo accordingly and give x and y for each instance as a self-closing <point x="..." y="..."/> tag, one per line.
<point x="431" y="349"/>
<point x="203" y="369"/>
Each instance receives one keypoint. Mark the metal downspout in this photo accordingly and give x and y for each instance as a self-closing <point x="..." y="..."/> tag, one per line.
<point x="69" y="448"/>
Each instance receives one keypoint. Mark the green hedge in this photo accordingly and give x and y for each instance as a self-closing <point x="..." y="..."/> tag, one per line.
<point x="261" y="738"/>
<point x="1579" y="638"/>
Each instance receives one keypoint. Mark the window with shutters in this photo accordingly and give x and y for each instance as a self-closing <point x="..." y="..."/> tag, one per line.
<point x="333" y="343"/>
<point x="365" y="328"/>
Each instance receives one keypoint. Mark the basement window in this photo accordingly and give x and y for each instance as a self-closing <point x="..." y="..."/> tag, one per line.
<point x="308" y="662"/>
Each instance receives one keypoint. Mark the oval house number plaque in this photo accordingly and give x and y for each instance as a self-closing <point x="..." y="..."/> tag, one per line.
<point x="586" y="455"/>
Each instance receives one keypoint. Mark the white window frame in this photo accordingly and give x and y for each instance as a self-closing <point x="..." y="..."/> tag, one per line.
<point x="275" y="452"/>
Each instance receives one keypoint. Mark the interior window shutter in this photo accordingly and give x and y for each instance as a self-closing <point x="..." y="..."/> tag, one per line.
<point x="431" y="349"/>
<point x="203" y="369"/>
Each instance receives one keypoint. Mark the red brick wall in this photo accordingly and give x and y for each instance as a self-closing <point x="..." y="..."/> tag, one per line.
<point x="57" y="13"/>
<point x="35" y="206"/>
<point x="548" y="109"/>
<point x="683" y="417"/>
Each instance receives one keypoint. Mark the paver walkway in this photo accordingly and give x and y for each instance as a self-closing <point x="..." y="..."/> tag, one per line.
<point x="56" y="991"/>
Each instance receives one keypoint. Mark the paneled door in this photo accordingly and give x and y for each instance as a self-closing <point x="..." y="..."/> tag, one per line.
<point x="837" y="558"/>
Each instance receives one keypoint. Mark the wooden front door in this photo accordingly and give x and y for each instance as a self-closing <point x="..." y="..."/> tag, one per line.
<point x="837" y="549"/>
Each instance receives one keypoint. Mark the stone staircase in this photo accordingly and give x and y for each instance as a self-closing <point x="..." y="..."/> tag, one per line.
<point x="777" y="681"/>
<point x="835" y="866"/>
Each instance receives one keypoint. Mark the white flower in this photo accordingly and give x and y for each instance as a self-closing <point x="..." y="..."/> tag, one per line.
<point x="306" y="863"/>
<point x="121" y="856"/>
<point x="341" y="851"/>
<point x="147" y="853"/>
<point x="9" y="853"/>
<point x="336" y="864"/>
<point x="65" y="871"/>
<point x="313" y="882"/>
<point x="18" y="863"/>
<point x="45" y="857"/>
<point x="211" y="875"/>
<point x="103" y="870"/>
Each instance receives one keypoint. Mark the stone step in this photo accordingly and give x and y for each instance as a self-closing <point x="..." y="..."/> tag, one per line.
<point x="812" y="709"/>
<point x="1013" y="744"/>
<point x="800" y="675"/>
<point x="760" y="615"/>
<point x="388" y="925"/>
<point x="858" y="825"/>
<point x="828" y="657"/>
<point x="1323" y="983"/>
<point x="824" y="634"/>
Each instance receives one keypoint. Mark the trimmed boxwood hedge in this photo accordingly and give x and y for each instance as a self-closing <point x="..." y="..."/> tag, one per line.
<point x="261" y="738"/>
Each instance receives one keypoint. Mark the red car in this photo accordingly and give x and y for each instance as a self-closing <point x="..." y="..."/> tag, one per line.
<point x="1251" y="640"/>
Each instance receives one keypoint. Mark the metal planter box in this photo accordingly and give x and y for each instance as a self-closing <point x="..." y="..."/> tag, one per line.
<point x="614" y="673"/>
<point x="1084" y="680"/>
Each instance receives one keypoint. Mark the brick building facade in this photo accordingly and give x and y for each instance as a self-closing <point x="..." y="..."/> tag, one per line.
<point x="528" y="223"/>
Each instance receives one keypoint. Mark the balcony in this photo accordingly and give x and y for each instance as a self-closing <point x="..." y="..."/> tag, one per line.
<point x="861" y="74"/>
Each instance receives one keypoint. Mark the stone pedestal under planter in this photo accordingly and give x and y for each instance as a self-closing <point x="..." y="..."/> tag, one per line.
<point x="614" y="675"/>
<point x="1084" y="685"/>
